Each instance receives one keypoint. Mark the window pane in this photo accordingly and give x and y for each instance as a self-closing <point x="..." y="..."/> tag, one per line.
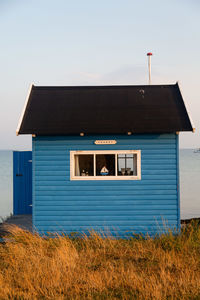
<point x="129" y="155"/>
<point x="127" y="165"/>
<point x="84" y="165"/>
<point x="121" y="155"/>
<point x="105" y="165"/>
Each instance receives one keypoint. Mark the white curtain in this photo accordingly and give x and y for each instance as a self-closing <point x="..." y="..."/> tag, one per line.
<point x="77" y="168"/>
<point x="135" y="164"/>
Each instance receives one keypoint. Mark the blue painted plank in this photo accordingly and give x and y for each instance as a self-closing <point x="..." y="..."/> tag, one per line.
<point x="89" y="192"/>
<point x="136" y="214"/>
<point x="88" y="198"/>
<point x="113" y="223"/>
<point x="76" y="206"/>
<point x="81" y="228"/>
<point x="72" y="139"/>
<point x="96" y="187"/>
<point x="134" y="220"/>
<point x="127" y="183"/>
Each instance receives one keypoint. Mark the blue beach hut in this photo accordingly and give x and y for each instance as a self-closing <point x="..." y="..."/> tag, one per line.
<point x="105" y="157"/>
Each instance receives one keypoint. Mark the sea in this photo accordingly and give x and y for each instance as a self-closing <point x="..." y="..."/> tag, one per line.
<point x="189" y="183"/>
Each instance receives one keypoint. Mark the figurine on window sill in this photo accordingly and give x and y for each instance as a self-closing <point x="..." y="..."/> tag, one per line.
<point x="104" y="171"/>
<point x="83" y="173"/>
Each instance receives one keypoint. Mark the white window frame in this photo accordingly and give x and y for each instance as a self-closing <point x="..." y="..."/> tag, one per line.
<point x="116" y="177"/>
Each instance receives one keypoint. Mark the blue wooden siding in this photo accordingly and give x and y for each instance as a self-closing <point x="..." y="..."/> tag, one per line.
<point x="147" y="205"/>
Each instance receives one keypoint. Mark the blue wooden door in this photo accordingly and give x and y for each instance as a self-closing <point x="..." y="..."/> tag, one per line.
<point x="22" y="182"/>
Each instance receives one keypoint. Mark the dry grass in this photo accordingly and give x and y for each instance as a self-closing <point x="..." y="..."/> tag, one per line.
<point x="167" y="267"/>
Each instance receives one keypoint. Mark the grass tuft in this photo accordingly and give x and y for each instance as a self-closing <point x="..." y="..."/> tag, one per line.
<point x="99" y="267"/>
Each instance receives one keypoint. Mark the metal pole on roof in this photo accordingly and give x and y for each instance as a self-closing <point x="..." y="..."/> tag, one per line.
<point x="149" y="54"/>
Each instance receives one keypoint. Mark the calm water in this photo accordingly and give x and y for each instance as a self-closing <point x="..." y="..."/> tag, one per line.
<point x="189" y="180"/>
<point x="6" y="188"/>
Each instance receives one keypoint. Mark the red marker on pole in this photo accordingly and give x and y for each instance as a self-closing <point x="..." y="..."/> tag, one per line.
<point x="149" y="54"/>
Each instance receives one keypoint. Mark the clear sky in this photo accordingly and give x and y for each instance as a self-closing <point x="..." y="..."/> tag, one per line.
<point x="90" y="42"/>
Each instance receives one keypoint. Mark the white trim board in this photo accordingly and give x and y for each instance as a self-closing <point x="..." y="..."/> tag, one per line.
<point x="24" y="109"/>
<point x="188" y="112"/>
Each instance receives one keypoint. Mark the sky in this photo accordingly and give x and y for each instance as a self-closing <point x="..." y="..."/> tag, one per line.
<point x="90" y="42"/>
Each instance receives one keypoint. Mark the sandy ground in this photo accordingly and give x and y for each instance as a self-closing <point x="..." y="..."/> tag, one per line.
<point x="23" y="221"/>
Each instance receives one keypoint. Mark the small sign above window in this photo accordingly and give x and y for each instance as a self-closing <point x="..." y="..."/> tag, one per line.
<point x="105" y="142"/>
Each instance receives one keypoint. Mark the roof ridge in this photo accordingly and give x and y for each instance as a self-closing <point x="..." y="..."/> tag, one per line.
<point x="103" y="86"/>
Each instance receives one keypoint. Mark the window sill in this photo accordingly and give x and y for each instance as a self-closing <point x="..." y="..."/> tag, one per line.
<point x="105" y="178"/>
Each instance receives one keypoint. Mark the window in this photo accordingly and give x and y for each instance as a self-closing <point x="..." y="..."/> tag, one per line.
<point x="105" y="165"/>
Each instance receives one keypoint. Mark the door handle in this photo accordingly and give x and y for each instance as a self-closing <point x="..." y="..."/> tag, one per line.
<point x="19" y="174"/>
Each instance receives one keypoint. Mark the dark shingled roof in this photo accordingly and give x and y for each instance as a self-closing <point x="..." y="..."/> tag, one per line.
<point x="104" y="110"/>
